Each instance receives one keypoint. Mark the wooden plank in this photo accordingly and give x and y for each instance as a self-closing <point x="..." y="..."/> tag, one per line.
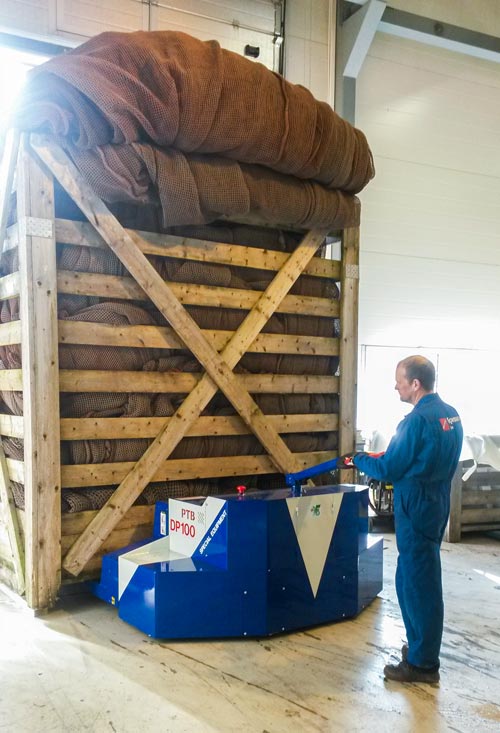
<point x="478" y="480"/>
<point x="483" y="527"/>
<point x="75" y="523"/>
<point x="114" y="428"/>
<point x="11" y="425"/>
<point x="10" y="333"/>
<point x="113" y="286"/>
<point x="167" y="245"/>
<point x="16" y="470"/>
<point x="83" y="332"/>
<point x="9" y="286"/>
<point x="481" y="497"/>
<point x="182" y="382"/>
<point x="7" y="576"/>
<point x="116" y="540"/>
<point x="348" y="343"/>
<point x="454" y="527"/>
<point x="477" y="516"/>
<point x="10" y="519"/>
<point x="38" y="308"/>
<point x="7" y="170"/>
<point x="11" y="380"/>
<point x="105" y="474"/>
<point x="97" y="474"/>
<point x="109" y="381"/>
<point x="11" y="240"/>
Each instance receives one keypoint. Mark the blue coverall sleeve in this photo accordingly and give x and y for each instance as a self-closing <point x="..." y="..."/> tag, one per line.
<point x="400" y="454"/>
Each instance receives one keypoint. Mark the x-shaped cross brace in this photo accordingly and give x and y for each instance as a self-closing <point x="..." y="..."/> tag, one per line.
<point x="219" y="374"/>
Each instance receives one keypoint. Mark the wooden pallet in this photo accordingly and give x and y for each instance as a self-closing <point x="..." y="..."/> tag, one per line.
<point x="475" y="503"/>
<point x="61" y="547"/>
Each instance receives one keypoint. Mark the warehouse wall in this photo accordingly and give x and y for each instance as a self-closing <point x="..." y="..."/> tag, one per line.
<point x="310" y="45"/>
<point x="430" y="254"/>
<point x="234" y="23"/>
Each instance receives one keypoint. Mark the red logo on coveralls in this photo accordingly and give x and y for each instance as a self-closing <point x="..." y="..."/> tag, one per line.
<point x="447" y="422"/>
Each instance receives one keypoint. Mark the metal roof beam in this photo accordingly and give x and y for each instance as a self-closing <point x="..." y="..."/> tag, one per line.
<point x="443" y="35"/>
<point x="357" y="33"/>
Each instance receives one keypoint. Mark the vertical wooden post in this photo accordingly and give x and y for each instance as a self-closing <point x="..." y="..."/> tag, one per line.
<point x="349" y="295"/>
<point x="40" y="366"/>
<point x="7" y="169"/>
<point x="11" y="522"/>
<point x="453" y="532"/>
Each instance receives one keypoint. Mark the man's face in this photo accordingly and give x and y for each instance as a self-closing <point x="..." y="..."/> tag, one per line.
<point x="403" y="386"/>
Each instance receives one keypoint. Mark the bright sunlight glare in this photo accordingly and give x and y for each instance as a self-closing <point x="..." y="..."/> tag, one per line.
<point x="14" y="65"/>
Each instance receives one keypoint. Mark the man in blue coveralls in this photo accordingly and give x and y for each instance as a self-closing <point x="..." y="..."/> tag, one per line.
<point x="420" y="461"/>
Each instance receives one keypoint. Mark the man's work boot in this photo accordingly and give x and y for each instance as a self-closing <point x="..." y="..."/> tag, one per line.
<point x="404" y="652"/>
<point x="406" y="672"/>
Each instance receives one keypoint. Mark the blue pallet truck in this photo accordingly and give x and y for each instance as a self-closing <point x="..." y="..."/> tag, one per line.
<point x="255" y="563"/>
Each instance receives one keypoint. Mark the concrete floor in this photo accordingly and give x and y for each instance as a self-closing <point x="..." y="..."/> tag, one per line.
<point x="82" y="669"/>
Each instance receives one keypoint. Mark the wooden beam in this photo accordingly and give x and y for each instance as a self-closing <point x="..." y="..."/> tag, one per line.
<point x="9" y="286"/>
<point x="453" y="531"/>
<point x="478" y="515"/>
<point x="218" y="367"/>
<point x="178" y="469"/>
<point x="11" y="523"/>
<point x="16" y="473"/>
<point x="485" y="497"/>
<point x="74" y="523"/>
<point x="10" y="333"/>
<point x="348" y="344"/>
<point x="156" y="337"/>
<point x="94" y="380"/>
<point x="12" y="425"/>
<point x="11" y="240"/>
<point x="38" y="309"/>
<point x="83" y="234"/>
<point x="116" y="428"/>
<point x="114" y="286"/>
<point x="7" y="169"/>
<point x="11" y="380"/>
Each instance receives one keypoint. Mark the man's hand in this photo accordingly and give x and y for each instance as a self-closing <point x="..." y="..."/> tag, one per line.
<point x="345" y="461"/>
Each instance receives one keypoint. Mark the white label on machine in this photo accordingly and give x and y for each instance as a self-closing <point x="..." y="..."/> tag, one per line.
<point x="191" y="524"/>
<point x="314" y="519"/>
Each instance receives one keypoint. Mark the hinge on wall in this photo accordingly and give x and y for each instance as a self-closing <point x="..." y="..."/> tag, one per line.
<point x="30" y="226"/>
<point x="352" y="271"/>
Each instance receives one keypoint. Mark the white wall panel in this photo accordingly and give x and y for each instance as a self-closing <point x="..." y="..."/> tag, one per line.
<point x="255" y="14"/>
<point x="309" y="45"/>
<point x="32" y="16"/>
<point x="233" y="27"/>
<point x="430" y="230"/>
<point x="234" y="23"/>
<point x="90" y="17"/>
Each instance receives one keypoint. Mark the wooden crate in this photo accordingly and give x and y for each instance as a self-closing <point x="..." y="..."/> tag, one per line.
<point x="41" y="548"/>
<point x="475" y="503"/>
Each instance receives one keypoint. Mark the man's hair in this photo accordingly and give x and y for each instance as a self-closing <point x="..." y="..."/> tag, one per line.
<point x="418" y="367"/>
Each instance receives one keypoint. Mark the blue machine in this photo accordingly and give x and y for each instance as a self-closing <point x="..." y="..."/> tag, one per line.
<point x="254" y="564"/>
